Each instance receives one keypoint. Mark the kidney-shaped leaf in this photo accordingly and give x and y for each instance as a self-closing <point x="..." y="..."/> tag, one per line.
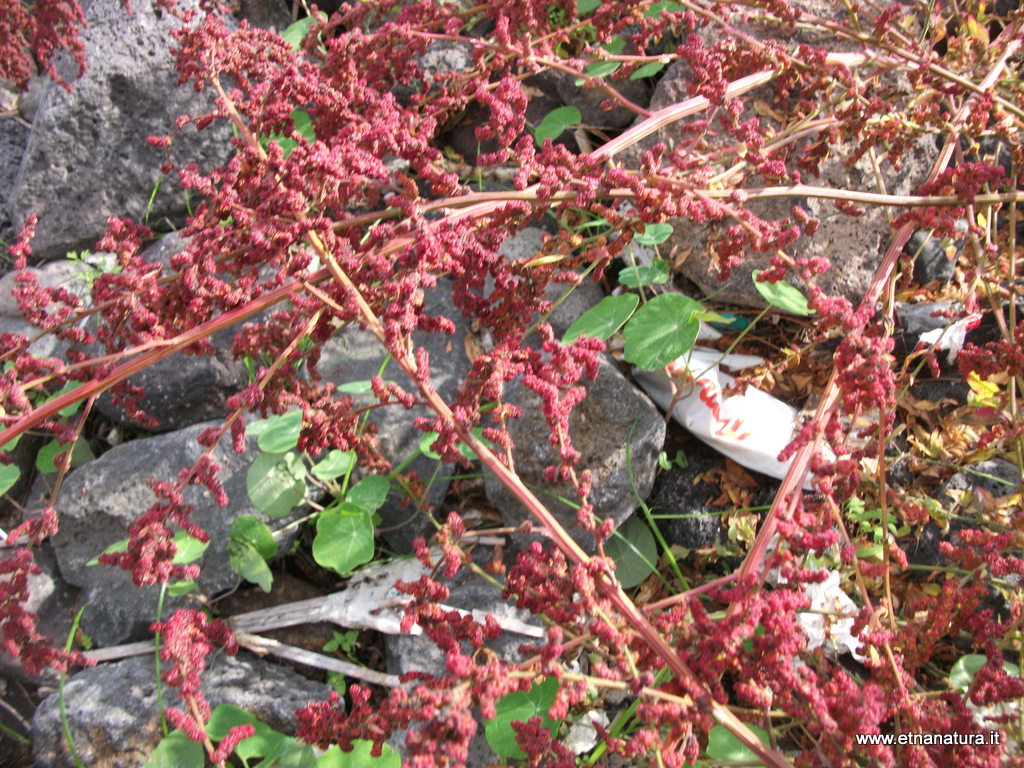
<point x="962" y="673"/>
<point x="344" y="538"/>
<point x="634" y="551"/>
<point x="370" y="493"/>
<point x="520" y="707"/>
<point x="227" y="716"/>
<point x="359" y="757"/>
<point x="334" y="464"/>
<point x="253" y="531"/>
<point x="276" y="483"/>
<point x="654" y="234"/>
<point x="637" y="275"/>
<point x="661" y="330"/>
<point x="9" y="474"/>
<point x="555" y="122"/>
<point x="278" y="434"/>
<point x="603" y="319"/>
<point x="782" y="295"/>
<point x="177" y="750"/>
<point x="725" y="747"/>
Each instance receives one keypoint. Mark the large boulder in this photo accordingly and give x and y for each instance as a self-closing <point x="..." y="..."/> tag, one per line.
<point x="87" y="157"/>
<point x="356" y="356"/>
<point x="182" y="390"/>
<point x="854" y="244"/>
<point x="114" y="717"/>
<point x="619" y="433"/>
<point x="98" y="502"/>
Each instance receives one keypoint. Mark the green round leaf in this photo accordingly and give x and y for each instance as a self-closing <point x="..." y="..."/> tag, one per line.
<point x="80" y="454"/>
<point x="303" y="124"/>
<point x="249" y="564"/>
<point x="116" y="547"/>
<point x="661" y="330"/>
<point x="334" y="464"/>
<point x="276" y="483"/>
<point x="520" y="707"/>
<point x="469" y="453"/>
<point x="280" y="433"/>
<point x="344" y="538"/>
<point x="294" y="34"/>
<point x="583" y="7"/>
<point x="782" y="295"/>
<point x="370" y="493"/>
<point x="227" y="716"/>
<point x="599" y="69"/>
<point x="655" y="274"/>
<point x="654" y="234"/>
<point x="188" y="548"/>
<point x="650" y="69"/>
<point x="961" y="675"/>
<point x="665" y="6"/>
<point x="359" y="757"/>
<point x="179" y="588"/>
<point x="288" y="752"/>
<point x="177" y="750"/>
<point x="555" y="122"/>
<point x="9" y="474"/>
<point x="253" y="531"/>
<point x="68" y="410"/>
<point x="634" y="551"/>
<point x="615" y="45"/>
<point x="362" y="387"/>
<point x="603" y="319"/>
<point x="425" y="442"/>
<point x="725" y="747"/>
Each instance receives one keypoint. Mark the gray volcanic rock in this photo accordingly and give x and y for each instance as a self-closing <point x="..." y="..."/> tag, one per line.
<point x="13" y="138"/>
<point x="354" y="355"/>
<point x="87" y="156"/>
<point x="115" y="719"/>
<point x="98" y="502"/>
<point x="182" y="390"/>
<point x="618" y="431"/>
<point x="854" y="244"/>
<point x="66" y="274"/>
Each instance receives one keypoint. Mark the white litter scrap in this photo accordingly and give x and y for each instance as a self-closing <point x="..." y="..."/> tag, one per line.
<point x="582" y="736"/>
<point x="752" y="429"/>
<point x="822" y="627"/>
<point x="933" y="326"/>
<point x="951" y="338"/>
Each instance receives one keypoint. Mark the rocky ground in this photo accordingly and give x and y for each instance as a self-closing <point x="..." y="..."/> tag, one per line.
<point x="75" y="159"/>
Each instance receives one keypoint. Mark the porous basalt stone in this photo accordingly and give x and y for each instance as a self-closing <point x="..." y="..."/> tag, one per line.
<point x="87" y="156"/>
<point x="98" y="502"/>
<point x="618" y="432"/>
<point x="114" y="717"/>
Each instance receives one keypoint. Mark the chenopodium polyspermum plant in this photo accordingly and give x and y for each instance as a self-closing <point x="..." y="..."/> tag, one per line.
<point x="337" y="208"/>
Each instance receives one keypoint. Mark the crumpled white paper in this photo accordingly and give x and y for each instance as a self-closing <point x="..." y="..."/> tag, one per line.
<point x="828" y="597"/>
<point x="751" y="429"/>
<point x="582" y="736"/>
<point x="950" y="338"/>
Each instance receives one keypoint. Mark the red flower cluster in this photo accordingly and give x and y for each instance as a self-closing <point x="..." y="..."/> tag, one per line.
<point x="34" y="34"/>
<point x="187" y="638"/>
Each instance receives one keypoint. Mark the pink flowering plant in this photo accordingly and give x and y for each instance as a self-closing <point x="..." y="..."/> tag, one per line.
<point x="339" y="207"/>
